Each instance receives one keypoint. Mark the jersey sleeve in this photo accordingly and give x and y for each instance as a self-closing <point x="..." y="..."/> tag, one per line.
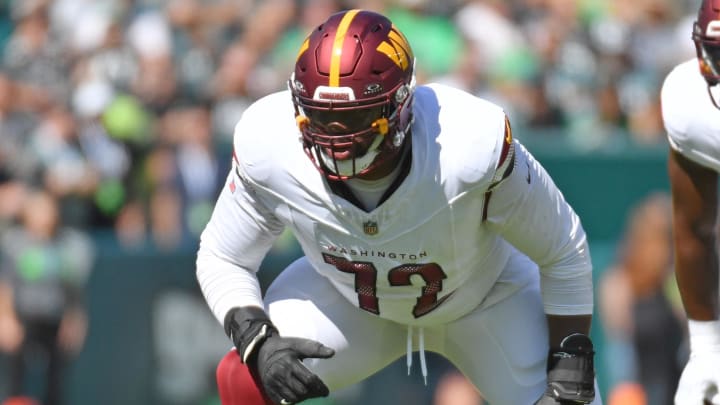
<point x="526" y="208"/>
<point x="689" y="119"/>
<point x="233" y="244"/>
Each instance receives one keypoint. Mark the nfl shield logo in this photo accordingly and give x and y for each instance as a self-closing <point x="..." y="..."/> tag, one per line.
<point x="370" y="227"/>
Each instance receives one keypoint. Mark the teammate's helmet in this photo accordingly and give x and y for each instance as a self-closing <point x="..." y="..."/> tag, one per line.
<point x="706" y="35"/>
<point x="352" y="89"/>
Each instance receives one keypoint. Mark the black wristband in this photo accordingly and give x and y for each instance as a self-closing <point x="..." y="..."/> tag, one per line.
<point x="248" y="327"/>
<point x="575" y="348"/>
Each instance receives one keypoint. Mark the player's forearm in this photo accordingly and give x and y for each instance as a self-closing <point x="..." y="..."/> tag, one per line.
<point x="560" y="326"/>
<point x="697" y="276"/>
<point x="226" y="286"/>
<point x="694" y="196"/>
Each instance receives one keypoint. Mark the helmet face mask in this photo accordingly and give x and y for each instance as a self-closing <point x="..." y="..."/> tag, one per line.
<point x="344" y="139"/>
<point x="352" y="89"/>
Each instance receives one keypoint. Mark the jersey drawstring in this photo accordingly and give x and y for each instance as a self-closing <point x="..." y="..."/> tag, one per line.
<point x="421" y="343"/>
<point x="408" y="357"/>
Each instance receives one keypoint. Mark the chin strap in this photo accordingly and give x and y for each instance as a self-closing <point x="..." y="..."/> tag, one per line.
<point x="712" y="97"/>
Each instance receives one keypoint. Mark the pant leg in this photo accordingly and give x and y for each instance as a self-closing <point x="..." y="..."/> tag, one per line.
<point x="302" y="303"/>
<point x="503" y="348"/>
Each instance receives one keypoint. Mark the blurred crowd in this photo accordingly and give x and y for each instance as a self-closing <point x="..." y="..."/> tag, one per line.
<point x="121" y="112"/>
<point x="642" y="317"/>
<point x="124" y="109"/>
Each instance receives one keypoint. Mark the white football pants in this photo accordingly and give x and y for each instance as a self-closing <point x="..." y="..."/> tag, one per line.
<point x="501" y="348"/>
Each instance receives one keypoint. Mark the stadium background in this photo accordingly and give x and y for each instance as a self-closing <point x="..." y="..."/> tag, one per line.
<point x="158" y="85"/>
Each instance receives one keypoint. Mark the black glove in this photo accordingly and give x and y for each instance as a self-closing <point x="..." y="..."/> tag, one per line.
<point x="571" y="373"/>
<point x="275" y="360"/>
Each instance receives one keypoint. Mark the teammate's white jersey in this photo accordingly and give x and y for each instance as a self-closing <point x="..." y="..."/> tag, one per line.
<point x="428" y="254"/>
<point x="691" y="120"/>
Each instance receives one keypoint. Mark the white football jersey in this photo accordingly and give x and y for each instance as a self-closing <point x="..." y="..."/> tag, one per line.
<point x="691" y="120"/>
<point x="430" y="252"/>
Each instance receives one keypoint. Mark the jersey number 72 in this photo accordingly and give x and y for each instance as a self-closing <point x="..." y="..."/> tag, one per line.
<point x="366" y="282"/>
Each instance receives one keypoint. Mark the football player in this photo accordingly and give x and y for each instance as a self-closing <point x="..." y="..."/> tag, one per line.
<point x="424" y="225"/>
<point x="691" y="115"/>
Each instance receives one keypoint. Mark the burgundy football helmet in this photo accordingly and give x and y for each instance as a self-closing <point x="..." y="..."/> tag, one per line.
<point x="352" y="89"/>
<point x="706" y="35"/>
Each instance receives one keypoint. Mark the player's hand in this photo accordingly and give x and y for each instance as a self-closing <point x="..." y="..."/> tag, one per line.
<point x="571" y="373"/>
<point x="700" y="380"/>
<point x="275" y="360"/>
<point x="284" y="377"/>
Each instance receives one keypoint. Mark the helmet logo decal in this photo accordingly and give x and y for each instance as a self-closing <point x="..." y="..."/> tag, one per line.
<point x="338" y="45"/>
<point x="373" y="88"/>
<point x="397" y="49"/>
<point x="713" y="29"/>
